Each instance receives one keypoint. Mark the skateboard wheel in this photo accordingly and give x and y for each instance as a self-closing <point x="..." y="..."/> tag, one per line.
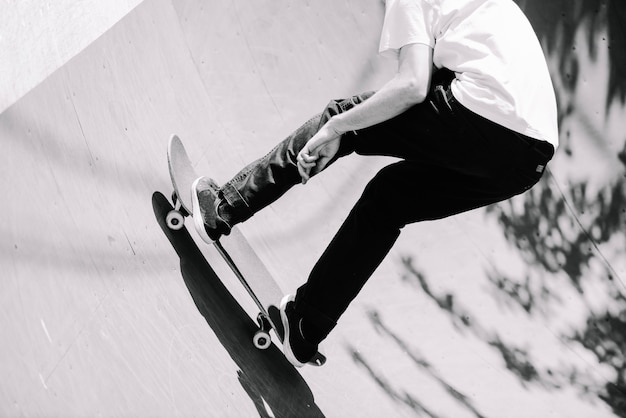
<point x="175" y="220"/>
<point x="262" y="340"/>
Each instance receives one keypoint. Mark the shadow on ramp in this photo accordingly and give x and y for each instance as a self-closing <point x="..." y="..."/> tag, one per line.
<point x="266" y="376"/>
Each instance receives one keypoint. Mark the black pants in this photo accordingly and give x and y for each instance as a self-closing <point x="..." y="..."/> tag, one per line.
<point x="453" y="160"/>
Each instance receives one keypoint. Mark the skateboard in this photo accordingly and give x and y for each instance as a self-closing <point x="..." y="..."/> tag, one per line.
<point x="234" y="249"/>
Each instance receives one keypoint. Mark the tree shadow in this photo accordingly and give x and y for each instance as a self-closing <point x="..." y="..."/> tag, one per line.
<point x="605" y="337"/>
<point x="558" y="22"/>
<point x="401" y="396"/>
<point x="553" y="239"/>
<point x="569" y="231"/>
<point x="266" y="376"/>
<point x="517" y="360"/>
<point x="548" y="232"/>
<point x="420" y="362"/>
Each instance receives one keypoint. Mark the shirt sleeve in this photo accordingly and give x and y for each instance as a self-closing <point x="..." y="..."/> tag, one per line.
<point x="406" y="22"/>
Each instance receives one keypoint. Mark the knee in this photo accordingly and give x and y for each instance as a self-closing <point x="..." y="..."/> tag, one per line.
<point x="379" y="205"/>
<point x="335" y="107"/>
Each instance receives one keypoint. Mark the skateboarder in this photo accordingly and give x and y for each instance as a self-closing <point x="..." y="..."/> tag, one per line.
<point x="478" y="130"/>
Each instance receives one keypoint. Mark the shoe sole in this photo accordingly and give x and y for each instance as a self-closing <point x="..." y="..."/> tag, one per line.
<point x="196" y="214"/>
<point x="286" y="347"/>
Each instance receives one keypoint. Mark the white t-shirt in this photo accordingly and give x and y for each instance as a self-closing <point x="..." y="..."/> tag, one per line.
<point x="501" y="72"/>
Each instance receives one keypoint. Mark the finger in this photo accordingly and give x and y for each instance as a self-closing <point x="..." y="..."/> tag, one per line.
<point x="306" y="158"/>
<point x="309" y="158"/>
<point x="304" y="173"/>
<point x="307" y="165"/>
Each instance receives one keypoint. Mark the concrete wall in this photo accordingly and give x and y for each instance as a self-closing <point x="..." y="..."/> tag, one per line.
<point x="36" y="38"/>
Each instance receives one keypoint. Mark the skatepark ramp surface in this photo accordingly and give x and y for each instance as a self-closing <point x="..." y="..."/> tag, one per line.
<point x="501" y="312"/>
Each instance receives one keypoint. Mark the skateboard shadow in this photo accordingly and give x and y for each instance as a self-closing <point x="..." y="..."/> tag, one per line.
<point x="266" y="376"/>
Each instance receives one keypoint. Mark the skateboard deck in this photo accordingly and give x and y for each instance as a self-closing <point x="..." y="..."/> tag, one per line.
<point x="234" y="248"/>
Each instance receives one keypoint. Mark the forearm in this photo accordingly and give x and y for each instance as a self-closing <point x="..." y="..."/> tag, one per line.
<point x="408" y="88"/>
<point x="394" y="98"/>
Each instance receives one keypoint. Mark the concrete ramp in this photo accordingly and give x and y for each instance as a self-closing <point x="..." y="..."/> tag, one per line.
<point x="104" y="311"/>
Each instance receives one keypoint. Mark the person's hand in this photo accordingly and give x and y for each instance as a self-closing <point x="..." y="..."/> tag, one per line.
<point x="318" y="151"/>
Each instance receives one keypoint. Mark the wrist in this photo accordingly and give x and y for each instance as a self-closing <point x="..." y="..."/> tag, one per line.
<point x="337" y="125"/>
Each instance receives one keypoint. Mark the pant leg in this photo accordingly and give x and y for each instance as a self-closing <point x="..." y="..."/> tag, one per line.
<point x="399" y="194"/>
<point x="266" y="179"/>
<point x="455" y="161"/>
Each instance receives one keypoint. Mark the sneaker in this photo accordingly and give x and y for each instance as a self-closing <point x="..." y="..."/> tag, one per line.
<point x="205" y="201"/>
<point x="297" y="350"/>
